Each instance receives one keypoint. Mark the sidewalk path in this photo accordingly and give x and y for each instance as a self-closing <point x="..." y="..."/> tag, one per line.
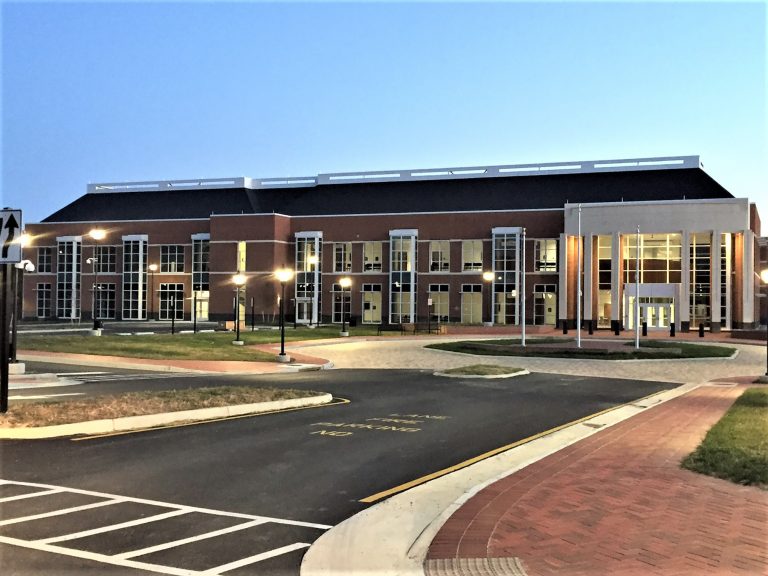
<point x="616" y="503"/>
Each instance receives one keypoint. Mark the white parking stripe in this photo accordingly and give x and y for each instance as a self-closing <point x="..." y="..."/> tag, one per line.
<point x="254" y="559"/>
<point x="113" y="527"/>
<point x="98" y="557"/>
<point x="189" y="540"/>
<point x="169" y="505"/>
<point x="59" y="512"/>
<point x="32" y="495"/>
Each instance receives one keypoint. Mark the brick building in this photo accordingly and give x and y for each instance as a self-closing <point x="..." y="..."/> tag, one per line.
<point x="414" y="243"/>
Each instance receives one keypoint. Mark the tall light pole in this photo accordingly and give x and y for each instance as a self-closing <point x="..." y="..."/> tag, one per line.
<point x="522" y="293"/>
<point x="637" y="290"/>
<point x="152" y="269"/>
<point x="96" y="235"/>
<point x="18" y="269"/>
<point x="488" y="279"/>
<point x="283" y="275"/>
<point x="578" y="282"/>
<point x="345" y="283"/>
<point x="239" y="281"/>
<point x="764" y="278"/>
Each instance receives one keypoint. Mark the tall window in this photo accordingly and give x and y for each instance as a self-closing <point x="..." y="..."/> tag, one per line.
<point x="660" y="258"/>
<point x="402" y="276"/>
<point x="44" y="301"/>
<point x="438" y="294"/>
<point x="471" y="303"/>
<point x="472" y="255"/>
<point x="701" y="278"/>
<point x="439" y="256"/>
<point x="44" y="258"/>
<point x="171" y="301"/>
<point x="341" y="303"/>
<point x="604" y="283"/>
<point x="342" y="257"/>
<point x="309" y="260"/>
<point x="725" y="280"/>
<point x="68" y="279"/>
<point x="172" y="258"/>
<point x="371" y="303"/>
<point x="105" y="301"/>
<point x="372" y="257"/>
<point x="106" y="259"/>
<point x="200" y="252"/>
<point x="505" y="283"/>
<point x="134" y="278"/>
<point x="545" y="255"/>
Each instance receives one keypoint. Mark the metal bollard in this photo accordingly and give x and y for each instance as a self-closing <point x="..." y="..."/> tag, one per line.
<point x="672" y="329"/>
<point x="591" y="327"/>
<point x="565" y="326"/>
<point x="645" y="328"/>
<point x="701" y="330"/>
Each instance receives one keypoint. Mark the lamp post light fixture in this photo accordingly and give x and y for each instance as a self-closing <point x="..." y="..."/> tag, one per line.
<point x="345" y="283"/>
<point x="152" y="269"/>
<point x="283" y="275"/>
<point x="239" y="281"/>
<point x="488" y="279"/>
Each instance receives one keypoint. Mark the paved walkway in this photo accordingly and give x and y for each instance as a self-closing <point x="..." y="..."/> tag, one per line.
<point x="616" y="503"/>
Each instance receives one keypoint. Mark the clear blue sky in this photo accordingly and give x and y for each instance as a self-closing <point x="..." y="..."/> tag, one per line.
<point x="98" y="92"/>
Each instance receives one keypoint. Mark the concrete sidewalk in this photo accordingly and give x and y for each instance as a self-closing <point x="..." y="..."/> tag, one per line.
<point x="616" y="503"/>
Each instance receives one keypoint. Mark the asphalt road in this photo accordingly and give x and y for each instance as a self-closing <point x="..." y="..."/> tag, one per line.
<point x="304" y="470"/>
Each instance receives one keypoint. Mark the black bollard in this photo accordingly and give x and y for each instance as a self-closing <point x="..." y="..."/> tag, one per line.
<point x="645" y="328"/>
<point x="701" y="330"/>
<point x="672" y="329"/>
<point x="591" y="327"/>
<point x="565" y="326"/>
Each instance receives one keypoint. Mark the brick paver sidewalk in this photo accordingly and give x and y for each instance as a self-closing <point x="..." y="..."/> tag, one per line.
<point x="616" y="503"/>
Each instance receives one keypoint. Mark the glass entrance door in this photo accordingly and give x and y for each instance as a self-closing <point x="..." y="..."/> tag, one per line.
<point x="304" y="310"/>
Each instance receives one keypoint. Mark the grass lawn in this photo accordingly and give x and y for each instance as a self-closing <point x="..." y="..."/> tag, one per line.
<point x="482" y="370"/>
<point x="201" y="346"/>
<point x="649" y="350"/>
<point x="736" y="448"/>
<point x="25" y="414"/>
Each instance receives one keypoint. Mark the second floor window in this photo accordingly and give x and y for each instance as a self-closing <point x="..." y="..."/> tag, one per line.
<point x="439" y="256"/>
<point x="342" y="257"/>
<point x="472" y="255"/>
<point x="545" y="256"/>
<point x="44" y="259"/>
<point x="172" y="258"/>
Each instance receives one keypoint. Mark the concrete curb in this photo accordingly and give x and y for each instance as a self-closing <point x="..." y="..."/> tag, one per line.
<point x="522" y="372"/>
<point x="152" y="420"/>
<point x="393" y="537"/>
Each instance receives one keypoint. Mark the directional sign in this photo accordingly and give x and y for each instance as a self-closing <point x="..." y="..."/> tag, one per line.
<point x="10" y="234"/>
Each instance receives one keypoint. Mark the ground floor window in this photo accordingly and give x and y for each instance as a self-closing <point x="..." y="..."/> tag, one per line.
<point x="604" y="308"/>
<point x="505" y="306"/>
<point x="371" y="303"/>
<point x="401" y="306"/>
<point x="104" y="300"/>
<point x="171" y="301"/>
<point x="44" y="301"/>
<point x="471" y="303"/>
<point x="341" y="304"/>
<point x="544" y="304"/>
<point x="438" y="302"/>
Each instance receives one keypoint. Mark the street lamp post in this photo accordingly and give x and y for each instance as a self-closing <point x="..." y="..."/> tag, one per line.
<point x="152" y="269"/>
<point x="488" y="279"/>
<point x="18" y="269"/>
<point x="764" y="278"/>
<point x="345" y="283"/>
<point x="283" y="275"/>
<point x="96" y="234"/>
<point x="239" y="282"/>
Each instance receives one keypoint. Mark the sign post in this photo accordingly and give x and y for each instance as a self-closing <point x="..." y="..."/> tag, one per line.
<point x="10" y="254"/>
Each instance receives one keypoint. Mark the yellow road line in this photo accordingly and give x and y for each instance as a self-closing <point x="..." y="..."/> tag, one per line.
<point x="336" y="400"/>
<point x="423" y="479"/>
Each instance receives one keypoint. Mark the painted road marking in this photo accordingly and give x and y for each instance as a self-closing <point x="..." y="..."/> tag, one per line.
<point x="112" y="527"/>
<point x="423" y="479"/>
<point x="175" y="543"/>
<point x="59" y="512"/>
<point x="335" y="402"/>
<point x="31" y="495"/>
<point x="125" y="559"/>
<point x="253" y="559"/>
<point x="45" y="396"/>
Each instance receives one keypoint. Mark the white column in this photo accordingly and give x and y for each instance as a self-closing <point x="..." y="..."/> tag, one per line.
<point x="562" y="295"/>
<point x="748" y="268"/>
<point x="683" y="307"/>
<point x="715" y="289"/>
<point x="588" y="276"/>
<point x="616" y="279"/>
